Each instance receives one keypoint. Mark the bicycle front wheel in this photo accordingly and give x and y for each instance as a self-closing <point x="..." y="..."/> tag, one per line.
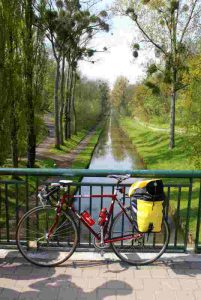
<point x="141" y="251"/>
<point x="32" y="237"/>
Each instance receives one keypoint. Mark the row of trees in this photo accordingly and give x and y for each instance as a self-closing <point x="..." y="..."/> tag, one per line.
<point x="41" y="43"/>
<point x="22" y="68"/>
<point x="171" y="27"/>
<point x="70" y="29"/>
<point x="149" y="101"/>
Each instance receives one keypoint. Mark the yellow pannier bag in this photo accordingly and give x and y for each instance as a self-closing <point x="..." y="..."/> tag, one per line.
<point x="147" y="199"/>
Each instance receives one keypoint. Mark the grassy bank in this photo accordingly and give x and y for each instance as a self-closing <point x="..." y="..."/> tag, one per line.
<point x="70" y="144"/>
<point x="83" y="159"/>
<point x="152" y="146"/>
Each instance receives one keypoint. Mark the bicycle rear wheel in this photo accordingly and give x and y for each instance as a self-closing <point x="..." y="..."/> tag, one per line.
<point x="141" y="251"/>
<point x="32" y="241"/>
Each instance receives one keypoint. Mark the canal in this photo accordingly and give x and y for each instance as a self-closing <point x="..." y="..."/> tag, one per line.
<point x="113" y="151"/>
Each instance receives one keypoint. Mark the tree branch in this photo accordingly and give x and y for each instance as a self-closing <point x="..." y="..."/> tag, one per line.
<point x="148" y="37"/>
<point x="188" y="21"/>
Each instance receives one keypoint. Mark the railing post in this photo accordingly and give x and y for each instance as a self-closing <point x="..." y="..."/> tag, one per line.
<point x="27" y="206"/>
<point x="7" y="213"/>
<point x="198" y="222"/>
<point x="188" y="214"/>
<point x="177" y="216"/>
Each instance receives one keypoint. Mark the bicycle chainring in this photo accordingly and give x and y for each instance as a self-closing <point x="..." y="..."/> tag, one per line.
<point x="98" y="246"/>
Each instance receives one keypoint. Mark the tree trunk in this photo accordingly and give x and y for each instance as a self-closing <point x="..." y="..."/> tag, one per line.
<point x="56" y="105"/>
<point x="62" y="101"/>
<point x="31" y="135"/>
<point x="70" y="105"/>
<point x="13" y="108"/>
<point x="73" y="105"/>
<point x="174" y="81"/>
<point x="66" y="103"/>
<point x="172" y="120"/>
<point x="14" y="136"/>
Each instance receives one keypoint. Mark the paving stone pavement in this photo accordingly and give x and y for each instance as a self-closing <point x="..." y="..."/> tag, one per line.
<point x="175" y="279"/>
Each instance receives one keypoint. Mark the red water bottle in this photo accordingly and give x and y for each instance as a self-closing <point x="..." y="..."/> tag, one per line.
<point x="102" y="216"/>
<point x="87" y="217"/>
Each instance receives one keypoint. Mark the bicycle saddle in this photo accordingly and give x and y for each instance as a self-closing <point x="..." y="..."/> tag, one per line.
<point x="119" y="177"/>
<point x="61" y="182"/>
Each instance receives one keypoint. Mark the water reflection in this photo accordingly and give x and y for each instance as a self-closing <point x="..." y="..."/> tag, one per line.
<point x="114" y="151"/>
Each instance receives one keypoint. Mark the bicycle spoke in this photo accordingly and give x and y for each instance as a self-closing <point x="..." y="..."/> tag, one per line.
<point x="39" y="249"/>
<point x="139" y="251"/>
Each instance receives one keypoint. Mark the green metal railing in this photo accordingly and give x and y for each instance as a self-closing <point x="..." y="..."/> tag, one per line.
<point x="182" y="188"/>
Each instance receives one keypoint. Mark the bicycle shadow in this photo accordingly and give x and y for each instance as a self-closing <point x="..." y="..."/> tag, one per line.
<point x="184" y="266"/>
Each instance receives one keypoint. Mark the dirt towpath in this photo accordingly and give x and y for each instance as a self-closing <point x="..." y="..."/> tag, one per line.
<point x="63" y="160"/>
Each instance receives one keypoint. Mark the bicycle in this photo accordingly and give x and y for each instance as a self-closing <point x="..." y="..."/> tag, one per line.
<point x="47" y="235"/>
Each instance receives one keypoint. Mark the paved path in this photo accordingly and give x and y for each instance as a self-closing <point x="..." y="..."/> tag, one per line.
<point x="61" y="160"/>
<point x="176" y="279"/>
<point x="154" y="128"/>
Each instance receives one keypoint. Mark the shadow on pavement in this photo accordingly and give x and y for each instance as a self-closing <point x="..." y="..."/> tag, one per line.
<point x="63" y="287"/>
<point x="21" y="280"/>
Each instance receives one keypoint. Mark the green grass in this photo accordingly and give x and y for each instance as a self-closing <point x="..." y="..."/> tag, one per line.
<point x="84" y="157"/>
<point x="69" y="144"/>
<point x="13" y="190"/>
<point x="152" y="146"/>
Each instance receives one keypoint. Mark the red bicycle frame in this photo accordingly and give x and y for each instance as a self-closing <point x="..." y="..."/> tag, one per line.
<point x="114" y="198"/>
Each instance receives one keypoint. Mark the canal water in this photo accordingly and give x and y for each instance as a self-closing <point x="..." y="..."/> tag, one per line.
<point x="113" y="151"/>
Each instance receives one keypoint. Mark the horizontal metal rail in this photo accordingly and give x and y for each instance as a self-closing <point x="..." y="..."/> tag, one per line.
<point x="101" y="173"/>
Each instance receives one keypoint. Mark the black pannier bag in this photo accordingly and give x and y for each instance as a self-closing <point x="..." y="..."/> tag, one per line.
<point x="147" y="198"/>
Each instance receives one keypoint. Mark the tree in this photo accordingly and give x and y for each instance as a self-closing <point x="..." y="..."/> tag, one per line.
<point x="190" y="108"/>
<point x="104" y="92"/>
<point x="69" y="29"/>
<point x="22" y="69"/>
<point x="29" y="74"/>
<point x="11" y="68"/>
<point x="4" y="125"/>
<point x="86" y="25"/>
<point x="88" y="102"/>
<point x="119" y="95"/>
<point x="167" y="26"/>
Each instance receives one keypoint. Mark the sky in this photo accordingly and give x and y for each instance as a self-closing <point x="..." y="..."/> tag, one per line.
<point x="118" y="60"/>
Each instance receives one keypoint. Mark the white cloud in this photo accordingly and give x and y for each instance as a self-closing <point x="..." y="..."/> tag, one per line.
<point x="118" y="60"/>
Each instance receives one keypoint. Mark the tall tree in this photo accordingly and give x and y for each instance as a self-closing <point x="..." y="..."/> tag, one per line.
<point x="29" y="74"/>
<point x="11" y="76"/>
<point x="104" y="93"/>
<point x="167" y="26"/>
<point x="119" y="94"/>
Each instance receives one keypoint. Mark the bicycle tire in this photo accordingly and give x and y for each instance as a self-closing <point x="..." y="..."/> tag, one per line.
<point x="32" y="241"/>
<point x="133" y="254"/>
